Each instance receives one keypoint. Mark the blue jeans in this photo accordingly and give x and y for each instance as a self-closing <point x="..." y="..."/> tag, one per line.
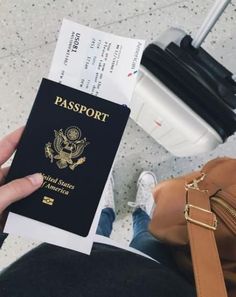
<point x="142" y="239"/>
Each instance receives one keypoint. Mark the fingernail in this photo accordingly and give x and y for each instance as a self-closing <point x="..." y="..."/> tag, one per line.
<point x="36" y="179"/>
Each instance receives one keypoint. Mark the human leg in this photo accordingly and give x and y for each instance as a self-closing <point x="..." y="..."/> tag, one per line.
<point x="143" y="240"/>
<point x="108" y="213"/>
<point x="106" y="222"/>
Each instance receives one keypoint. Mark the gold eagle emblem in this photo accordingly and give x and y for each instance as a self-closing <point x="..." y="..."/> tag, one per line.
<point x="67" y="147"/>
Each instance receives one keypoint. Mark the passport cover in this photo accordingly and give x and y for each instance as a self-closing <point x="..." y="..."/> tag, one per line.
<point x="71" y="137"/>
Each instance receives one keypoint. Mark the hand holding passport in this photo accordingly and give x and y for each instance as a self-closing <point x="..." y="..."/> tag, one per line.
<point x="17" y="189"/>
<point x="73" y="146"/>
<point x="72" y="136"/>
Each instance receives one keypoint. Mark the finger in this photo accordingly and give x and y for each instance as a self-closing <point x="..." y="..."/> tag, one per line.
<point x="3" y="174"/>
<point x="8" y="144"/>
<point x="18" y="189"/>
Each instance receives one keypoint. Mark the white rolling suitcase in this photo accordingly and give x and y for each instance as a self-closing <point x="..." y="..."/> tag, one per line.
<point x="183" y="97"/>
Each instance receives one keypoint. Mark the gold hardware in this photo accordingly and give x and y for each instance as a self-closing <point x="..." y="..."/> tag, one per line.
<point x="225" y="205"/>
<point x="187" y="217"/>
<point x="193" y="185"/>
<point x="48" y="200"/>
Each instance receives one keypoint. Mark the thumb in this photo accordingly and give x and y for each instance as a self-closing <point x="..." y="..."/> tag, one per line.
<point x="19" y="188"/>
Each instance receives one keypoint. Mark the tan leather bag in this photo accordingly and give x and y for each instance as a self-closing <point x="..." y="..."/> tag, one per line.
<point x="196" y="215"/>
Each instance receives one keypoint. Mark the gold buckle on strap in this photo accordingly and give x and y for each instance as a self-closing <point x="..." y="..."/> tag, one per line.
<point x="193" y="185"/>
<point x="187" y="217"/>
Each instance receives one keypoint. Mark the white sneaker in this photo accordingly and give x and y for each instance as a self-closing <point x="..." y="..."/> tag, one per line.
<point x="108" y="194"/>
<point x="144" y="199"/>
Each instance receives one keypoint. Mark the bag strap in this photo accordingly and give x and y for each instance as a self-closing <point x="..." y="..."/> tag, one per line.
<point x="201" y="225"/>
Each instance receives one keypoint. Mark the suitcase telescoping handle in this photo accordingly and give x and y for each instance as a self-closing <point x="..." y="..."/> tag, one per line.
<point x="209" y="22"/>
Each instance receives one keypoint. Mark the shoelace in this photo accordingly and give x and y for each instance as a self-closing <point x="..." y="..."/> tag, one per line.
<point x="146" y="190"/>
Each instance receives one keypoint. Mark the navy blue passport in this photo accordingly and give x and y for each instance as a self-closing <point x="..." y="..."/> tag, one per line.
<point x="71" y="138"/>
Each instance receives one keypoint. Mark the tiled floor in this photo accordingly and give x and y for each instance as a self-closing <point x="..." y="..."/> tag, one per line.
<point x="28" y="36"/>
